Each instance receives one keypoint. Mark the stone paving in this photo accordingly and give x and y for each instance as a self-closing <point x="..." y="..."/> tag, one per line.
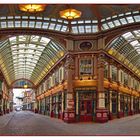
<point x="28" y="123"/>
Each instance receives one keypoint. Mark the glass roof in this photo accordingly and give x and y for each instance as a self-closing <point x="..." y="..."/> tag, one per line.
<point x="78" y="26"/>
<point x="126" y="48"/>
<point x="29" y="57"/>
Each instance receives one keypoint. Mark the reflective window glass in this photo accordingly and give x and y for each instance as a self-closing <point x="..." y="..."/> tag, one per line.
<point x="130" y="19"/>
<point x="123" y="21"/>
<point x="58" y="27"/>
<point x="38" y="24"/>
<point x="17" y="23"/>
<point x="45" y="25"/>
<point x="137" y="18"/>
<point x="31" y="24"/>
<point x="51" y="26"/>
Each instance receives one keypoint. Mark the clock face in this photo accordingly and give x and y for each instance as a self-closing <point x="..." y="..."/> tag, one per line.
<point x="85" y="46"/>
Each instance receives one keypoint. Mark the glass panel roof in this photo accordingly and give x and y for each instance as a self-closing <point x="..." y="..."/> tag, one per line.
<point x="78" y="26"/>
<point x="26" y="56"/>
<point x="127" y="49"/>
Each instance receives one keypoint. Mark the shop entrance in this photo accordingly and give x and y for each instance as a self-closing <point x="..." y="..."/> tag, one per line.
<point x="87" y="106"/>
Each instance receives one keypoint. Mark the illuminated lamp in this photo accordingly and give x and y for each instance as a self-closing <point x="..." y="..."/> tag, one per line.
<point x="32" y="8"/>
<point x="70" y="14"/>
<point x="25" y="86"/>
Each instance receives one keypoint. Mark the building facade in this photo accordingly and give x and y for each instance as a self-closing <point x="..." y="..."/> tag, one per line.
<point x="89" y="85"/>
<point x="82" y="68"/>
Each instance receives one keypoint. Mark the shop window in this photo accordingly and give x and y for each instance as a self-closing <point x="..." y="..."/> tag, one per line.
<point x="126" y="104"/>
<point x="136" y="105"/>
<point x="121" y="103"/>
<point x="85" y="67"/>
<point x="61" y="74"/>
<point x="106" y="70"/>
<point x="57" y="77"/>
<point x="114" y="102"/>
<point x="114" y="73"/>
<point x="125" y="79"/>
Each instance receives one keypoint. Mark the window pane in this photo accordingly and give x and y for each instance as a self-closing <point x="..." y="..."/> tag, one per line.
<point x="3" y="24"/>
<point x="123" y="21"/>
<point x="24" y="23"/>
<point x="88" y="29"/>
<point x="137" y="18"/>
<point x="130" y="19"/>
<point x="81" y="29"/>
<point x="58" y="27"/>
<point x="117" y="23"/>
<point x="45" y="25"/>
<point x="94" y="28"/>
<point x="52" y="26"/>
<point x="17" y="23"/>
<point x="31" y="24"/>
<point x="74" y="29"/>
<point x="10" y="24"/>
<point x="105" y="26"/>
<point x="38" y="24"/>
<point x="64" y="28"/>
<point x="111" y="25"/>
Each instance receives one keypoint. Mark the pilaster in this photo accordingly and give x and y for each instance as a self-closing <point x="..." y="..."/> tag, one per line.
<point x="69" y="113"/>
<point x="131" y="109"/>
<point x="101" y="112"/>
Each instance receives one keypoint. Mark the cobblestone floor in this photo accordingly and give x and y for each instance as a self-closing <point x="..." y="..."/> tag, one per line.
<point x="28" y="123"/>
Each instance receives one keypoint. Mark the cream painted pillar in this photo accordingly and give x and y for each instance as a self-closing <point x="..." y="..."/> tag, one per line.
<point x="119" y="107"/>
<point x="132" y="103"/>
<point x="69" y="113"/>
<point x="39" y="101"/>
<point x="110" y="101"/>
<point x="131" y="107"/>
<point x="110" y="73"/>
<point x="101" y="111"/>
<point x="50" y="103"/>
<point x="119" y="74"/>
<point x="77" y="103"/>
<point x="77" y="67"/>
<point x="35" y="105"/>
<point x="95" y="71"/>
<point x="2" y="104"/>
<point x="62" y="107"/>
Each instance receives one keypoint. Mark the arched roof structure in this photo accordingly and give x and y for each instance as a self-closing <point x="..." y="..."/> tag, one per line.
<point x="26" y="55"/>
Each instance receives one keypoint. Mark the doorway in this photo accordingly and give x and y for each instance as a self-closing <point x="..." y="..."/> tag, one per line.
<point x="87" y="106"/>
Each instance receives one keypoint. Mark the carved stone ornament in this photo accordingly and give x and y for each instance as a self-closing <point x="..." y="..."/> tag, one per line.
<point x="69" y="62"/>
<point x="85" y="46"/>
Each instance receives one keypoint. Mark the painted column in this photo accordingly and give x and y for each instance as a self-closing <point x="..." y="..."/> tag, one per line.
<point x="110" y="72"/>
<point x="62" y="107"/>
<point x="120" y="113"/>
<point x="1" y="105"/>
<point x="51" y="109"/>
<point x="35" y="107"/>
<point x="101" y="111"/>
<point x="95" y="67"/>
<point x="110" y="105"/>
<point x="77" y="105"/>
<point x="69" y="113"/>
<point x="77" y="67"/>
<point x="39" y="108"/>
<point x="131" y="103"/>
<point x="8" y="106"/>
